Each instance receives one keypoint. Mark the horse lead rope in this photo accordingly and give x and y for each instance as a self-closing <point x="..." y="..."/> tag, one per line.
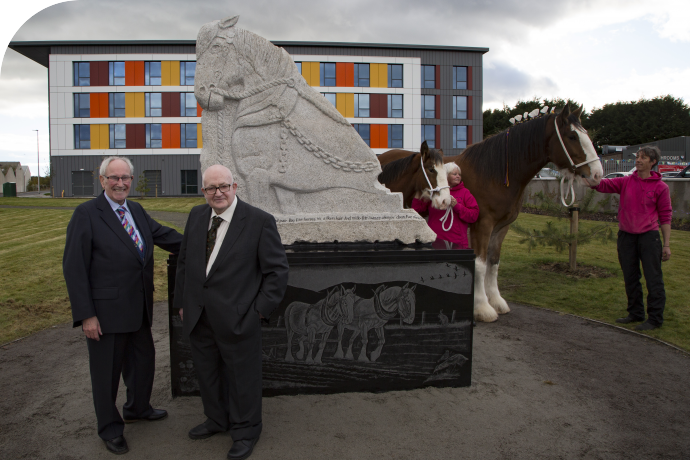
<point x="438" y="189"/>
<point x="573" y="166"/>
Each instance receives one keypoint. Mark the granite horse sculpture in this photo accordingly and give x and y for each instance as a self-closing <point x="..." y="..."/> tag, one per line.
<point x="497" y="171"/>
<point x="374" y="313"/>
<point x="416" y="174"/>
<point x="320" y="318"/>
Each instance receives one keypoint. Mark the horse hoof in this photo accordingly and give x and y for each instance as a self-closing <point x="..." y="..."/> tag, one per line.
<point x="289" y="359"/>
<point x="300" y="355"/>
<point x="500" y="305"/>
<point x="485" y="313"/>
<point x="338" y="355"/>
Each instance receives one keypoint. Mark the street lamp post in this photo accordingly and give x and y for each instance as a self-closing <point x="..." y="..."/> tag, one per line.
<point x="38" y="166"/>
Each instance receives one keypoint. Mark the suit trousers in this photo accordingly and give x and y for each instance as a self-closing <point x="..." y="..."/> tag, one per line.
<point x="133" y="355"/>
<point x="229" y="374"/>
<point x="644" y="248"/>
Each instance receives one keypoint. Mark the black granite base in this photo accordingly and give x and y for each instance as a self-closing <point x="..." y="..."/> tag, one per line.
<point x="359" y="317"/>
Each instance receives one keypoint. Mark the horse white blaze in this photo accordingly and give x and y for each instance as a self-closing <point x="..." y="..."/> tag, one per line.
<point x="597" y="171"/>
<point x="491" y="285"/>
<point x="483" y="311"/>
<point x="441" y="200"/>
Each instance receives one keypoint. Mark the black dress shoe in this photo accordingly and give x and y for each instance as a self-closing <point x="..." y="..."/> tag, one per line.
<point x="629" y="319"/>
<point x="242" y="449"/>
<point x="201" y="432"/>
<point x="646" y="326"/>
<point x="157" y="414"/>
<point x="118" y="445"/>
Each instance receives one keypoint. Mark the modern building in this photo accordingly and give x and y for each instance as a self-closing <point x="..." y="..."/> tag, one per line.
<point x="672" y="150"/>
<point x="137" y="99"/>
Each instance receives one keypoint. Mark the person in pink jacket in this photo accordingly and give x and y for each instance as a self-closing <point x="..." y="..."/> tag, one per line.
<point x="451" y="226"/>
<point x="645" y="205"/>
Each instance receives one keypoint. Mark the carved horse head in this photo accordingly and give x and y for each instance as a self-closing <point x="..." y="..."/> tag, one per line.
<point x="339" y="306"/>
<point x="395" y="300"/>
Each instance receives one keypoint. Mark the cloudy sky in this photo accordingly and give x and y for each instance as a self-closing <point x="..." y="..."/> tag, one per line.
<point x="595" y="52"/>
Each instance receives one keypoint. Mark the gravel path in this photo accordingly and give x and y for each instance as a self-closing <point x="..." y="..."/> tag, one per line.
<point x="544" y="385"/>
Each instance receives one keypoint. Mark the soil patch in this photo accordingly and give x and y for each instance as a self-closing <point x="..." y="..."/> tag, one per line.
<point x="581" y="271"/>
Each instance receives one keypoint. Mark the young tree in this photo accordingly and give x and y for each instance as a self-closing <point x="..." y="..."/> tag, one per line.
<point x="142" y="186"/>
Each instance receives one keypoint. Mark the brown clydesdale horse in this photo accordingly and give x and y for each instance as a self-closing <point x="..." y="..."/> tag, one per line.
<point x="496" y="171"/>
<point x="407" y="175"/>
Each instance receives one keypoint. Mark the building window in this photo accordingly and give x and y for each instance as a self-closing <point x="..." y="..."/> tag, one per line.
<point x="153" y="103"/>
<point x="459" y="137"/>
<point x="327" y="74"/>
<point x="116" y="73"/>
<point x="395" y="106"/>
<point x="82" y="104"/>
<point x="395" y="75"/>
<point x="187" y="71"/>
<point x="330" y="97"/>
<point x="429" y="76"/>
<point x="429" y="135"/>
<point x="116" y="104"/>
<point x="190" y="185"/>
<point x="152" y="73"/>
<point x="362" y="75"/>
<point x="363" y="131"/>
<point x="460" y="107"/>
<point x="154" y="136"/>
<point x="188" y="135"/>
<point x="82" y="74"/>
<point x="429" y="106"/>
<point x="395" y="136"/>
<point x="459" y="77"/>
<point x="82" y="136"/>
<point x="362" y="105"/>
<point x="299" y="67"/>
<point x="118" y="136"/>
<point x="187" y="105"/>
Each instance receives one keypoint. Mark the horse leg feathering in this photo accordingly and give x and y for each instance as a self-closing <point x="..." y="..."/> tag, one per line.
<point x="483" y="311"/>
<point x="497" y="302"/>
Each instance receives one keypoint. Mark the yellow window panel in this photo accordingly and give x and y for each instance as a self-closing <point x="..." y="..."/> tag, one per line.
<point x="105" y="136"/>
<point x="199" y="138"/>
<point x="174" y="73"/>
<point x="139" y="105"/>
<point x="383" y="76"/>
<point x="129" y="105"/>
<point x="315" y="74"/>
<point x="341" y="102"/>
<point x="95" y="139"/>
<point x="349" y="105"/>
<point x="374" y="75"/>
<point x="165" y="73"/>
<point x="306" y="72"/>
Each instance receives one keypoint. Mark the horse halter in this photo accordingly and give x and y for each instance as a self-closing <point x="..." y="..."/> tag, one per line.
<point x="438" y="189"/>
<point x="573" y="167"/>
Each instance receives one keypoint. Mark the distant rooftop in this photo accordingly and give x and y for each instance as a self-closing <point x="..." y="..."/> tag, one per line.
<point x="39" y="51"/>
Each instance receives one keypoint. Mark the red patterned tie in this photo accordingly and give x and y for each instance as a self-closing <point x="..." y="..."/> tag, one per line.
<point x="130" y="230"/>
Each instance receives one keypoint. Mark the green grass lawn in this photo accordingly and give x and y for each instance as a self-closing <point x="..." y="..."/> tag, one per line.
<point x="33" y="294"/>
<point x="151" y="204"/>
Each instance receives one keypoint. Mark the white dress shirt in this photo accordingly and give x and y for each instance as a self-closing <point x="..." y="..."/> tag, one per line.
<point x="220" y="233"/>
<point x="128" y="216"/>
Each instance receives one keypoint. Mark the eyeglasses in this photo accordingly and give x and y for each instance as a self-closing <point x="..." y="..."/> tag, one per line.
<point x="211" y="190"/>
<point x="116" y="179"/>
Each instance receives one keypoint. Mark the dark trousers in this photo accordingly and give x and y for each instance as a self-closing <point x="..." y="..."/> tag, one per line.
<point x="645" y="248"/>
<point x="229" y="376"/>
<point x="133" y="355"/>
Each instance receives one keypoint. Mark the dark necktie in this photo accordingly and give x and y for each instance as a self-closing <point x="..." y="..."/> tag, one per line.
<point x="211" y="237"/>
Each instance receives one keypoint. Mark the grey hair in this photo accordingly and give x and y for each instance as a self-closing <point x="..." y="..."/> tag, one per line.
<point x="450" y="167"/>
<point x="652" y="152"/>
<point x="107" y="161"/>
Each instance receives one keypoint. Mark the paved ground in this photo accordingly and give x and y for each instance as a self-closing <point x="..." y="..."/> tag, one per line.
<point x="544" y="385"/>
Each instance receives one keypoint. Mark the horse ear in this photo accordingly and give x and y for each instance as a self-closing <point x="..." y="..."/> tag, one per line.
<point x="563" y="115"/>
<point x="424" y="149"/>
<point x="228" y="22"/>
<point x="406" y="284"/>
<point x="440" y="152"/>
<point x="578" y="112"/>
<point x="413" y="287"/>
<point x="342" y="289"/>
<point x="353" y="288"/>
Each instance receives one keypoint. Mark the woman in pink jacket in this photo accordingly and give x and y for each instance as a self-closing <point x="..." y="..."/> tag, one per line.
<point x="645" y="205"/>
<point x="451" y="226"/>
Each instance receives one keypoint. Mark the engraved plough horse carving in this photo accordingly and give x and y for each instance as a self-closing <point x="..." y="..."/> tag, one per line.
<point x="307" y="321"/>
<point x="264" y="122"/>
<point x="374" y="313"/>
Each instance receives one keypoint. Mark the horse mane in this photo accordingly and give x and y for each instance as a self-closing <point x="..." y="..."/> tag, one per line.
<point x="518" y="145"/>
<point x="395" y="169"/>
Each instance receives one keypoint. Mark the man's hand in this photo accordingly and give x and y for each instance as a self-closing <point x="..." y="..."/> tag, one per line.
<point x="181" y="314"/>
<point x="92" y="328"/>
<point x="665" y="253"/>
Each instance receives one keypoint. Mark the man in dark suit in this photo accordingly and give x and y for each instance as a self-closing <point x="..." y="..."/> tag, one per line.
<point x="232" y="271"/>
<point x="108" y="268"/>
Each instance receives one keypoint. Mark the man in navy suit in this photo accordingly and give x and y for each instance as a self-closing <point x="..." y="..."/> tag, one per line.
<point x="108" y="268"/>
<point x="232" y="271"/>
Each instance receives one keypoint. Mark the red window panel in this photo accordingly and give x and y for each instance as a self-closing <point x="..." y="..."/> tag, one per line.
<point x="378" y="105"/>
<point x="140" y="140"/>
<point x="99" y="73"/>
<point x="469" y="135"/>
<point x="174" y="104"/>
<point x="94" y="105"/>
<point x="167" y="106"/>
<point x="131" y="136"/>
<point x="469" y="107"/>
<point x="129" y="73"/>
<point x="139" y="73"/>
<point x="438" y="78"/>
<point x="94" y="69"/>
<point x="469" y="80"/>
<point x="437" y="136"/>
<point x="437" y="107"/>
<point x="349" y="74"/>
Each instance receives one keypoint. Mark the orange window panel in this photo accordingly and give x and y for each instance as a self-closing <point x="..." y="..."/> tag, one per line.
<point x="94" y="108"/>
<point x="103" y="105"/>
<point x="374" y="136"/>
<point x="198" y="110"/>
<point x="139" y="73"/>
<point x="383" y="133"/>
<point x="129" y="73"/>
<point x="349" y="74"/>
<point x="175" y="135"/>
<point x="199" y="137"/>
<point x="165" y="134"/>
<point x="340" y="73"/>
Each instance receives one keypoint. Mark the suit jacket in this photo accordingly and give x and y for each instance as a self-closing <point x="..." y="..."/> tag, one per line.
<point x="248" y="277"/>
<point x="105" y="275"/>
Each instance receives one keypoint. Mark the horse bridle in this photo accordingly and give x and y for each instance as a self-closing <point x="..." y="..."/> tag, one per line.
<point x="573" y="167"/>
<point x="438" y="189"/>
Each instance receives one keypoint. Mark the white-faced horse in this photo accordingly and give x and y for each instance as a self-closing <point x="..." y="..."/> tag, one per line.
<point x="308" y="320"/>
